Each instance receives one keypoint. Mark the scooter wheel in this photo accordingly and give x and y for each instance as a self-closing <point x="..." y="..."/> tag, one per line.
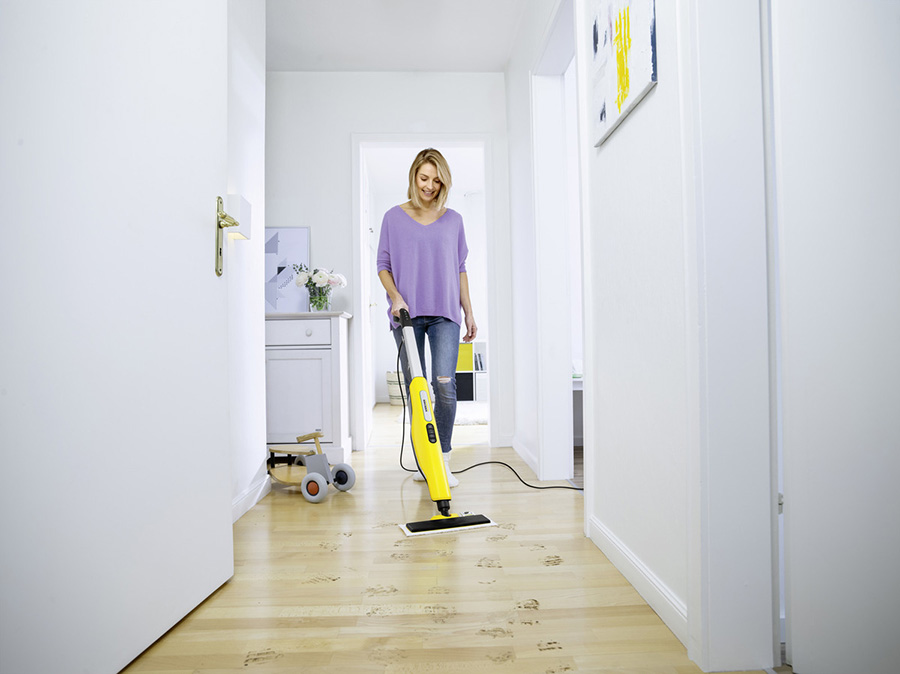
<point x="314" y="487"/>
<point x="343" y="476"/>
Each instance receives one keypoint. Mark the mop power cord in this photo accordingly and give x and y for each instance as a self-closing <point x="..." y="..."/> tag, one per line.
<point x="463" y="470"/>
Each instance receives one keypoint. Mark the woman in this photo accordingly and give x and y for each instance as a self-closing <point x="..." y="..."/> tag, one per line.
<point x="422" y="266"/>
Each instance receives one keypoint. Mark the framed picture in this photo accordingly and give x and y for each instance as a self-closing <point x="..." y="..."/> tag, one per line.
<point x="623" y="60"/>
<point x="285" y="247"/>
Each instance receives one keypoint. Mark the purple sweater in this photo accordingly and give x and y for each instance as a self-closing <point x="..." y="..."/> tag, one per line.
<point x="425" y="261"/>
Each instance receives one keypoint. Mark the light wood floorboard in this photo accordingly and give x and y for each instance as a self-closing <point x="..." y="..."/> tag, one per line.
<point x="338" y="587"/>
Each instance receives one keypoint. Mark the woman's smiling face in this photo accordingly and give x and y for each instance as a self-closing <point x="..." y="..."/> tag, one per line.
<point x="428" y="183"/>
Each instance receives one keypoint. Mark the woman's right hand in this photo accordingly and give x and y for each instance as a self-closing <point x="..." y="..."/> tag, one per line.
<point x="397" y="305"/>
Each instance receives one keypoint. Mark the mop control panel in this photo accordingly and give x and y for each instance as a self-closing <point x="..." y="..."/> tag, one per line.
<point x="432" y="436"/>
<point x="426" y="406"/>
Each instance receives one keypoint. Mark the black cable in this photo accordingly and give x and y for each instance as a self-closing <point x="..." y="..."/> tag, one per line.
<point x="402" y="385"/>
<point x="483" y="463"/>
<point x="500" y="463"/>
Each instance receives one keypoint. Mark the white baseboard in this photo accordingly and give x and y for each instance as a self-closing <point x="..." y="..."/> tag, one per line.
<point x="250" y="497"/>
<point x="666" y="603"/>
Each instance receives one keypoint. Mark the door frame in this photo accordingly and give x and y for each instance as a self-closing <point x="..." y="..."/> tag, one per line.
<point x="361" y="366"/>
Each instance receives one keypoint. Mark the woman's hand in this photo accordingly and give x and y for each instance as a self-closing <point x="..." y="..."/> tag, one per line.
<point x="397" y="301"/>
<point x="471" y="328"/>
<point x="397" y="305"/>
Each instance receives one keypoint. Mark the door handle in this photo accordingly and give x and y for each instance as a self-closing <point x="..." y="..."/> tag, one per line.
<point x="223" y="220"/>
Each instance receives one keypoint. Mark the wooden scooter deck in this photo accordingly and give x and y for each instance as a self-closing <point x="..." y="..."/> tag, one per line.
<point x="293" y="474"/>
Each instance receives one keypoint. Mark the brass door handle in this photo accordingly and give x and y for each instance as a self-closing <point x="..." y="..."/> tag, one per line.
<point x="223" y="220"/>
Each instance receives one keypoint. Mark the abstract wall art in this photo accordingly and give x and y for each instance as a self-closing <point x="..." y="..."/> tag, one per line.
<point x="285" y="247"/>
<point x="623" y="60"/>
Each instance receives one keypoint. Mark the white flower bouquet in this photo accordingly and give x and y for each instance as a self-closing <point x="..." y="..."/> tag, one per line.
<point x="319" y="283"/>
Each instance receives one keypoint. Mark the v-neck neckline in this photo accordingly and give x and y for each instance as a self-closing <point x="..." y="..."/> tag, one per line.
<point x="422" y="224"/>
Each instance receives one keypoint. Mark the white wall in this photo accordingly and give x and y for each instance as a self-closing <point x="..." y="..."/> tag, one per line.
<point x="839" y="241"/>
<point x="676" y="377"/>
<point x="245" y="258"/>
<point x="311" y="118"/>
<point x="640" y="374"/>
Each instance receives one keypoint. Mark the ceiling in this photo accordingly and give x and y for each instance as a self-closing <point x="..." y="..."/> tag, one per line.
<point x="391" y="35"/>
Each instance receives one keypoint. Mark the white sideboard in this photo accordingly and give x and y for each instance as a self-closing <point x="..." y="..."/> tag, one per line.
<point x="307" y="380"/>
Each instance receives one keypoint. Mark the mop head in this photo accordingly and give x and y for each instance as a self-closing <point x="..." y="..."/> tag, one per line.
<point x="445" y="525"/>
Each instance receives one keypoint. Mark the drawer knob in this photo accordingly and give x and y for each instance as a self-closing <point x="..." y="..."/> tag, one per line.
<point x="309" y="332"/>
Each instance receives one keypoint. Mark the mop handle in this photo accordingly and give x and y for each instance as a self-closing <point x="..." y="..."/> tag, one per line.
<point x="409" y="342"/>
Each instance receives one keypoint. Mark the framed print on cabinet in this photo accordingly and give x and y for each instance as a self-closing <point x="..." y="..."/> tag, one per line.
<point x="285" y="247"/>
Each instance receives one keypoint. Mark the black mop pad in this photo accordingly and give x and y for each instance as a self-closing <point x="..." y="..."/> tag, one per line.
<point x="440" y="525"/>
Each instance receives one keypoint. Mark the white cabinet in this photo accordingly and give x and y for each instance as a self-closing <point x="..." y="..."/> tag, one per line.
<point x="306" y="380"/>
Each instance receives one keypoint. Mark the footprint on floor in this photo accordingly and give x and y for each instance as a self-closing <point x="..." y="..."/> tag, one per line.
<point x="549" y="646"/>
<point x="528" y="605"/>
<point x="505" y="656"/>
<point x="387" y="656"/>
<point x="400" y="555"/>
<point x="552" y="560"/>
<point x="488" y="563"/>
<point x="381" y="590"/>
<point x="441" y="614"/>
<point x="261" y="657"/>
<point x="320" y="578"/>
<point x="495" y="539"/>
<point x="495" y="632"/>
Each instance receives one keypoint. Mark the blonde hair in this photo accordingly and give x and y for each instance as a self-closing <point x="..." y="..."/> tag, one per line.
<point x="436" y="159"/>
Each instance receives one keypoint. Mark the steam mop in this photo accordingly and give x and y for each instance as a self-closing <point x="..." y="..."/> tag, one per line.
<point x="427" y="449"/>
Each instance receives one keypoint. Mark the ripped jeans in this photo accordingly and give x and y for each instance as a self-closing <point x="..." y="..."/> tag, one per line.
<point x="443" y="339"/>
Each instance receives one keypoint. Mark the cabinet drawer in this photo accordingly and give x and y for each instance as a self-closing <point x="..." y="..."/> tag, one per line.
<point x="301" y="332"/>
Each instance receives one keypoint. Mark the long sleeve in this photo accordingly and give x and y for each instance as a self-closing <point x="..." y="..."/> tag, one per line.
<point x="383" y="260"/>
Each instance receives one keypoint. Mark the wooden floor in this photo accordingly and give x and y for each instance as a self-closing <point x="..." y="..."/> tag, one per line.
<point x="338" y="587"/>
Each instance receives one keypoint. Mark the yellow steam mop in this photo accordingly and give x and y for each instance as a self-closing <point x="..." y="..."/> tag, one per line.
<point x="427" y="449"/>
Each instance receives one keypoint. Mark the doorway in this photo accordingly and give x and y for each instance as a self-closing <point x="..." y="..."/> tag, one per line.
<point x="383" y="168"/>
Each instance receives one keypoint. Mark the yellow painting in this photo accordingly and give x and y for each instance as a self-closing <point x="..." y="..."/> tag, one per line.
<point x="622" y="41"/>
<point x="623" y="60"/>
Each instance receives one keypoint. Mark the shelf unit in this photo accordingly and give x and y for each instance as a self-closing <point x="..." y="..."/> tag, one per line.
<point x="471" y="372"/>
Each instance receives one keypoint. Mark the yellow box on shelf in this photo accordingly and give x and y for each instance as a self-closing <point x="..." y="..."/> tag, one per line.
<point x="466" y="360"/>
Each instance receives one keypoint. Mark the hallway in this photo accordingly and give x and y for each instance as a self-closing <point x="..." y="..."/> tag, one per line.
<point x="337" y="587"/>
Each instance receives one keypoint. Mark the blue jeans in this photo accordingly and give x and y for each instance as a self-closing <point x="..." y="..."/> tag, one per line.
<point x="443" y="338"/>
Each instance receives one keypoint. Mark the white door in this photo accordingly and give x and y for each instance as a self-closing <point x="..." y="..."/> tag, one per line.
<point x="840" y="270"/>
<point x="115" y="495"/>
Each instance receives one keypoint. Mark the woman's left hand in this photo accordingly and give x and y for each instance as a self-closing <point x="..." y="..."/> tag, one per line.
<point x="471" y="329"/>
